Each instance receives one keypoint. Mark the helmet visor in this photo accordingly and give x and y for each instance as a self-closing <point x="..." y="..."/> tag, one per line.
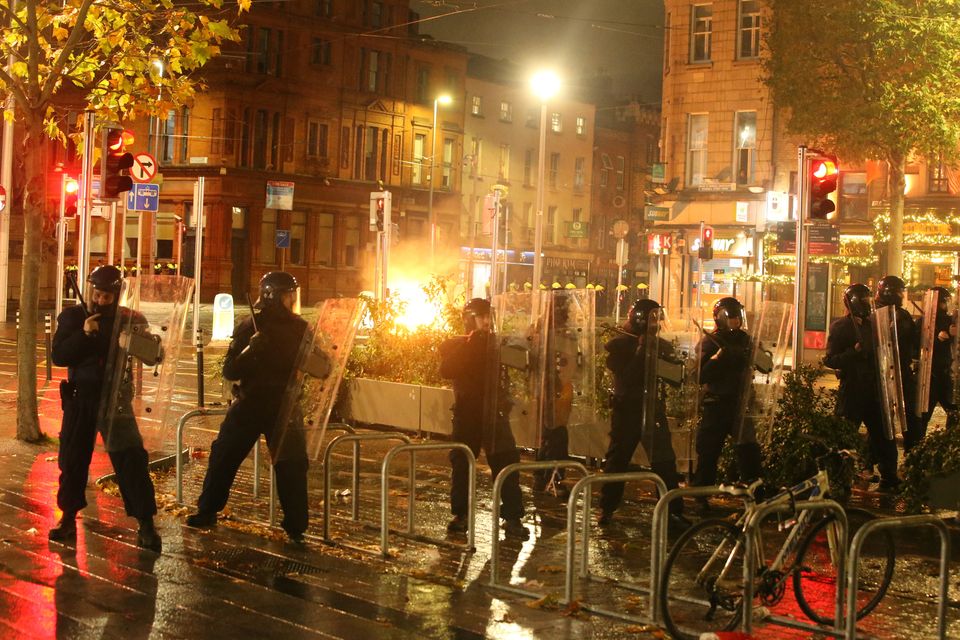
<point x="730" y="318"/>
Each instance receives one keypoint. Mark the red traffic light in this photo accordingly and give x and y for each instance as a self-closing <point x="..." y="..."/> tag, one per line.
<point x="823" y="181"/>
<point x="71" y="186"/>
<point x="70" y="197"/>
<point x="822" y="169"/>
<point x="707" y="239"/>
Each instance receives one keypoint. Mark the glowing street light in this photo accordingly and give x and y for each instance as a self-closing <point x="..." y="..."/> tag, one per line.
<point x="443" y="99"/>
<point x="544" y="84"/>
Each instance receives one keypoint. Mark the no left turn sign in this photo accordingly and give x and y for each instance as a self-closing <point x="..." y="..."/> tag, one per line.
<point x="144" y="168"/>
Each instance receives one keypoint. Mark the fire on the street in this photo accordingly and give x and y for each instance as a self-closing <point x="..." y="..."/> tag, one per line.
<point x="415" y="308"/>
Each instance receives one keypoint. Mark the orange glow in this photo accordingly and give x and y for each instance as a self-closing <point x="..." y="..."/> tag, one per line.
<point x="71" y="186"/>
<point x="824" y="169"/>
<point x="416" y="310"/>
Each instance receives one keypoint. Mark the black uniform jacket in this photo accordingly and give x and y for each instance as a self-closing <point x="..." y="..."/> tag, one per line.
<point x="725" y="376"/>
<point x="857" y="369"/>
<point x="264" y="369"/>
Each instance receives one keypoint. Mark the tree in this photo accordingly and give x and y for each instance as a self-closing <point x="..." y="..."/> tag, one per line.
<point x="870" y="79"/>
<point x="99" y="56"/>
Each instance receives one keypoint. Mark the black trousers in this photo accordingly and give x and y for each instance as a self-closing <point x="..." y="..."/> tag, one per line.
<point x="245" y="421"/>
<point x="554" y="445"/>
<point x="916" y="426"/>
<point x="78" y="435"/>
<point x="941" y="392"/>
<point x="883" y="452"/>
<point x="718" y="421"/>
<point x="625" y="435"/>
<point x="504" y="452"/>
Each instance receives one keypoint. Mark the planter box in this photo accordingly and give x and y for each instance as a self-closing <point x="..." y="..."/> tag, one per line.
<point x="407" y="407"/>
<point x="944" y="492"/>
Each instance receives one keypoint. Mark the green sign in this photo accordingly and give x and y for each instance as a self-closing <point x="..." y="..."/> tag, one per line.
<point x="657" y="214"/>
<point x="658" y="173"/>
<point x="577" y="229"/>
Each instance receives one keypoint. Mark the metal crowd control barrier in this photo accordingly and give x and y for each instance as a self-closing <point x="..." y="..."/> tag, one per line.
<point x="181" y="426"/>
<point x="385" y="485"/>
<point x="516" y="467"/>
<point x="584" y="486"/>
<point x="853" y="565"/>
<point x="356" y="439"/>
<point x="750" y="564"/>
<point x="659" y="530"/>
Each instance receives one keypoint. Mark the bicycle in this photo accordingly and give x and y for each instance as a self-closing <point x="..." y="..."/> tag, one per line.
<point x="702" y="581"/>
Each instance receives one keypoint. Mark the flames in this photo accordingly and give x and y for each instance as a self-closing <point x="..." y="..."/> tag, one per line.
<point x="416" y="309"/>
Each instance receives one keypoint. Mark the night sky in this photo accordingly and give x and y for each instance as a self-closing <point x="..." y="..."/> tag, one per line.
<point x="621" y="38"/>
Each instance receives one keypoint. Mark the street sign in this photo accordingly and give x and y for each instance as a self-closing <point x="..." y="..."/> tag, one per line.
<point x="144" y="197"/>
<point x="283" y="238"/>
<point x="144" y="167"/>
<point x="656" y="214"/>
<point x="3" y="198"/>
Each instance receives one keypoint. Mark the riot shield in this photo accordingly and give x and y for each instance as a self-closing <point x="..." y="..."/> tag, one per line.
<point x="569" y="400"/>
<point x="884" y="321"/>
<point x="928" y="335"/>
<point x="676" y="370"/>
<point x="141" y="368"/>
<point x="315" y="380"/>
<point x="516" y="381"/>
<point x="770" y="329"/>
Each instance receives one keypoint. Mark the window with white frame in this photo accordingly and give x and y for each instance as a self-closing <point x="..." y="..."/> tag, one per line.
<point x="554" y="169"/>
<point x="476" y="157"/>
<point x="745" y="147"/>
<point x="504" y="169"/>
<point x="937" y="179"/>
<point x="317" y="138"/>
<point x="446" y="179"/>
<point x="476" y="105"/>
<point x="528" y="168"/>
<point x="748" y="29"/>
<point x="323" y="251"/>
<point x="606" y="166"/>
<point x="506" y="111"/>
<point x="581" y="126"/>
<point x="701" y="32"/>
<point x="298" y="236"/>
<point x="696" y="149"/>
<point x="556" y="124"/>
<point x="550" y="228"/>
<point x="578" y="168"/>
<point x="419" y="147"/>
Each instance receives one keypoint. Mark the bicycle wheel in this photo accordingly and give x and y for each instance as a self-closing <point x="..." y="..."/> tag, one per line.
<point x="815" y="573"/>
<point x="702" y="585"/>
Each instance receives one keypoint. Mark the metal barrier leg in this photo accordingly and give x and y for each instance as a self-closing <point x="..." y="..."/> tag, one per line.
<point x="273" y="496"/>
<point x="256" y="470"/>
<point x="356" y="439"/>
<point x="385" y="486"/>
<point x="498" y="483"/>
<point x="181" y="426"/>
<point x="853" y="565"/>
<point x="751" y="551"/>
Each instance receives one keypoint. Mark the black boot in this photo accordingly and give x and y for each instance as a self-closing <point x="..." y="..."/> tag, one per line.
<point x="202" y="520"/>
<point x="147" y="536"/>
<point x="66" y="529"/>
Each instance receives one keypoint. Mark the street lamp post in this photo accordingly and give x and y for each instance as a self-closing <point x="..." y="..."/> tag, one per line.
<point x="545" y="85"/>
<point x="441" y="99"/>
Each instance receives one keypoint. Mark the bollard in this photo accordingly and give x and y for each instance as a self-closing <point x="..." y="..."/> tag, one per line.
<point x="48" y="343"/>
<point x="200" y="367"/>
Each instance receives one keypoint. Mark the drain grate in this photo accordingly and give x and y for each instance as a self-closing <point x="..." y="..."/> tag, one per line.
<point x="253" y="562"/>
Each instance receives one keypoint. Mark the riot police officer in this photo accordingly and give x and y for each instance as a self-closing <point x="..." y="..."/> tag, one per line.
<point x="626" y="358"/>
<point x="941" y="371"/>
<point x="725" y="369"/>
<point x="890" y="291"/>
<point x="82" y="343"/>
<point x="850" y="351"/>
<point x="481" y="415"/>
<point x="261" y="356"/>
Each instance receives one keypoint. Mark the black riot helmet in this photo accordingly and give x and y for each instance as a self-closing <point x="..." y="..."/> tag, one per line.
<point x="856" y="299"/>
<point x="106" y="278"/>
<point x="273" y="285"/>
<point x="726" y="309"/>
<point x="890" y="290"/>
<point x="475" y="308"/>
<point x="943" y="295"/>
<point x="640" y="314"/>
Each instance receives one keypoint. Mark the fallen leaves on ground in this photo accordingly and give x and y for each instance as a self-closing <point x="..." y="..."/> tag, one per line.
<point x="548" y="602"/>
<point x="574" y="610"/>
<point x="550" y="568"/>
<point x="651" y="629"/>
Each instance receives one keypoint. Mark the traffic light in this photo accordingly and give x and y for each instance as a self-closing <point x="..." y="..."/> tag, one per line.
<point x="380" y="205"/>
<point x="706" y="243"/>
<point x="71" y="192"/>
<point x="823" y="182"/>
<point x="116" y="163"/>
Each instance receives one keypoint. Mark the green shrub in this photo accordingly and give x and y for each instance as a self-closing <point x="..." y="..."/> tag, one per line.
<point x="937" y="454"/>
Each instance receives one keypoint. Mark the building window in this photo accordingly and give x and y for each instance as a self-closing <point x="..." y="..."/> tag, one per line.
<point x="606" y="166"/>
<point x="476" y="106"/>
<point x="556" y="124"/>
<point x="506" y="111"/>
<point x="245" y="138"/>
<point x="423" y="85"/>
<point x="298" y="235"/>
<point x="528" y="220"/>
<point x="476" y="154"/>
<point x="503" y="172"/>
<point x="263" y="50"/>
<point x="748" y="29"/>
<point x="372" y="70"/>
<point x="260" y="140"/>
<point x="745" y="146"/>
<point x="666" y="44"/>
<point x="344" y="147"/>
<point x="216" y="131"/>
<point x="268" y="232"/>
<point x="937" y="181"/>
<point x="533" y="118"/>
<point x="528" y="168"/>
<point x="550" y="228"/>
<point x="419" y="147"/>
<point x="446" y="180"/>
<point x="578" y="165"/>
<point x="184" y="133"/>
<point x="317" y="137"/>
<point x="621" y="170"/>
<point x="167" y="135"/>
<point x="325" y="8"/>
<point x="351" y="241"/>
<point x="324" y="244"/>
<point x="696" y="149"/>
<point x="581" y="126"/>
<point x="376" y="14"/>
<point x="701" y="32"/>
<point x="322" y="52"/>
<point x="554" y="169"/>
